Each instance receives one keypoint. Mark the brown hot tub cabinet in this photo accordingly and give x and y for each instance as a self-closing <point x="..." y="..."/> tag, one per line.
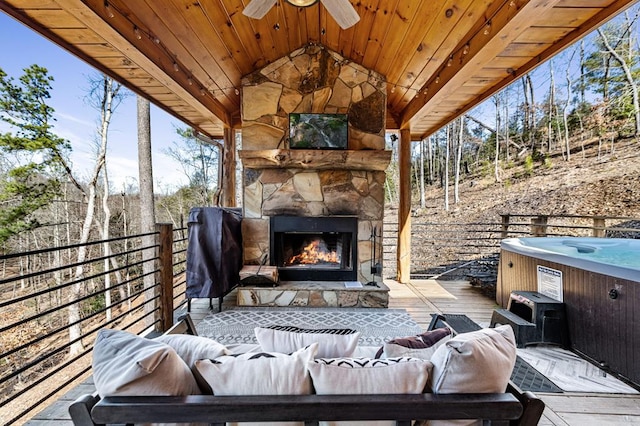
<point x="601" y="310"/>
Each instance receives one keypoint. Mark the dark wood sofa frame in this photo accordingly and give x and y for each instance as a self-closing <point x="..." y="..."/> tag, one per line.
<point x="513" y="407"/>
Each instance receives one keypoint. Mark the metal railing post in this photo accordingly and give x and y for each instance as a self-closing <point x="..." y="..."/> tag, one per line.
<point x="165" y="275"/>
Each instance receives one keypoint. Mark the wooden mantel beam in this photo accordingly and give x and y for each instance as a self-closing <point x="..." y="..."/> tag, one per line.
<point x="316" y="159"/>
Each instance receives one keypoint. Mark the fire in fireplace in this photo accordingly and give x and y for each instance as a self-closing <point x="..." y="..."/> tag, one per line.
<point x="314" y="248"/>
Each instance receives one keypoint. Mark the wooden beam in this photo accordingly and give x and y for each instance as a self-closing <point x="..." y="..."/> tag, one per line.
<point x="506" y="25"/>
<point x="229" y="169"/>
<point x="404" y="208"/>
<point x="140" y="54"/>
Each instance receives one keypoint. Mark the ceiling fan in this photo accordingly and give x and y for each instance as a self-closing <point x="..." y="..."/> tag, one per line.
<point x="341" y="10"/>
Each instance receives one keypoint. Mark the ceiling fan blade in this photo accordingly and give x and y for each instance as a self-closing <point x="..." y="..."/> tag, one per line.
<point x="342" y="11"/>
<point x="256" y="9"/>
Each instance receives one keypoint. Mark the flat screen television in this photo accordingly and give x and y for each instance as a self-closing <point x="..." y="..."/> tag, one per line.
<point x="318" y="131"/>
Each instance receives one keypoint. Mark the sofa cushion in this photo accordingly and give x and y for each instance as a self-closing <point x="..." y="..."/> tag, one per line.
<point x="477" y="362"/>
<point x="259" y="373"/>
<point x="334" y="376"/>
<point x="192" y="348"/>
<point x="420" y="346"/>
<point x="332" y="343"/>
<point x="127" y="364"/>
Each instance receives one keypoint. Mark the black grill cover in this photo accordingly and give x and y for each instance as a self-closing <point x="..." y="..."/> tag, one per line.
<point x="214" y="252"/>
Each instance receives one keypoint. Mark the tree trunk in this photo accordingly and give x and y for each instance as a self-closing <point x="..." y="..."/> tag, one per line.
<point x="496" y="100"/>
<point x="552" y="101"/>
<point x="629" y="76"/>
<point x="456" y="191"/>
<point x="422" y="200"/>
<point x="147" y="207"/>
<point x="446" y="169"/>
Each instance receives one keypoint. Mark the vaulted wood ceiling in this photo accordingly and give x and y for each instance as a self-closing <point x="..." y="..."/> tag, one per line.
<point x="440" y="58"/>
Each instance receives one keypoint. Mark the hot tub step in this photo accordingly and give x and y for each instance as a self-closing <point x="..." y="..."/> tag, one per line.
<point x="524" y="330"/>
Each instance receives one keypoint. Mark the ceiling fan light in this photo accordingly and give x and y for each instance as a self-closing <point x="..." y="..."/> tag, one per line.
<point x="302" y="3"/>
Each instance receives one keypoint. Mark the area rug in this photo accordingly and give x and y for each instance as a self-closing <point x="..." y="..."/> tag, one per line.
<point x="376" y="325"/>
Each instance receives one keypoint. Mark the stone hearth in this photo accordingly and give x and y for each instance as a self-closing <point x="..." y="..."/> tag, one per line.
<point x="315" y="294"/>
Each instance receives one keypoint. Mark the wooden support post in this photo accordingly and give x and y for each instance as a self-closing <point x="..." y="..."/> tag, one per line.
<point x="404" y="208"/>
<point x="539" y="226"/>
<point x="228" y="198"/>
<point x="505" y="225"/>
<point x="165" y="276"/>
<point x="599" y="227"/>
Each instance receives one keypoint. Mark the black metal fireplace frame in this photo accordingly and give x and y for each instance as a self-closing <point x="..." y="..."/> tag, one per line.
<point x="311" y="224"/>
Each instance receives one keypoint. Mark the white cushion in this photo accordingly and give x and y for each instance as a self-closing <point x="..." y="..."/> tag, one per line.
<point x="192" y="348"/>
<point x="127" y="364"/>
<point x="333" y="343"/>
<point x="478" y="362"/>
<point x="259" y="373"/>
<point x="368" y="376"/>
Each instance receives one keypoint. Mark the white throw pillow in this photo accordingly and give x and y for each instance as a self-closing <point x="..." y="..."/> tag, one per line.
<point x="127" y="364"/>
<point x="349" y="376"/>
<point x="477" y="362"/>
<point x="192" y="348"/>
<point x="333" y="343"/>
<point x="259" y="373"/>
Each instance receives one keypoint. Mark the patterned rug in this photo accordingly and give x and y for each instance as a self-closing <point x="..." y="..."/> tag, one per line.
<point x="375" y="325"/>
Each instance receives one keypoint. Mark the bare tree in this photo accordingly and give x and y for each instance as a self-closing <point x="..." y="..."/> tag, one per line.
<point x="629" y="77"/>
<point x="456" y="192"/>
<point x="108" y="94"/>
<point x="147" y="207"/>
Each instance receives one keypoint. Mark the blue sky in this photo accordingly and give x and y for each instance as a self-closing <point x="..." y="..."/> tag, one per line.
<point x="77" y="122"/>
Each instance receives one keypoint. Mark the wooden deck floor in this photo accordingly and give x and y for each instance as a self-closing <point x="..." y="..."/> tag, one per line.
<point x="421" y="298"/>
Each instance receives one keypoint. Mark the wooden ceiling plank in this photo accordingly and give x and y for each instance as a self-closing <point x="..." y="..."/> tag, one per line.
<point x="256" y="46"/>
<point x="367" y="18"/>
<point x="275" y="19"/>
<point x="175" y="28"/>
<point x="437" y="43"/>
<point x="34" y="4"/>
<point x="547" y="35"/>
<point x="54" y="18"/>
<point x="381" y="25"/>
<point x="294" y="26"/>
<point x="312" y="21"/>
<point x="331" y="36"/>
<point x="402" y="22"/>
<point x="569" y="16"/>
<point x="78" y="35"/>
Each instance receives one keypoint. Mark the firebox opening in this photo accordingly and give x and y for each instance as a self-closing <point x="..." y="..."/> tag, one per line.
<point x="314" y="248"/>
<point x="319" y="250"/>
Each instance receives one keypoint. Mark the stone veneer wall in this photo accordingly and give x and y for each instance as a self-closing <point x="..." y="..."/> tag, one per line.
<point x="318" y="80"/>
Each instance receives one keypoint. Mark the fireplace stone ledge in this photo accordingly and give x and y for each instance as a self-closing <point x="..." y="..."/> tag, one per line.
<point x="315" y="294"/>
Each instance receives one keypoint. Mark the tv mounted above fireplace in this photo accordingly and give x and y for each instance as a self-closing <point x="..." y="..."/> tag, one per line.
<point x="318" y="131"/>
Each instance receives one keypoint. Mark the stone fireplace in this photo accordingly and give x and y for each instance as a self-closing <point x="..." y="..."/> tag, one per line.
<point x="325" y="185"/>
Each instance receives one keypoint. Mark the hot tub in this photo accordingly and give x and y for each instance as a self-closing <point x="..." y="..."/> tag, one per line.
<point x="599" y="282"/>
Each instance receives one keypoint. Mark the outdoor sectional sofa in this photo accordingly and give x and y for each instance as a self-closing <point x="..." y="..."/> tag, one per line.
<point x="334" y="391"/>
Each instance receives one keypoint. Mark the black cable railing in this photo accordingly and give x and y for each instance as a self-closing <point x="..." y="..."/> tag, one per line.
<point x="39" y="355"/>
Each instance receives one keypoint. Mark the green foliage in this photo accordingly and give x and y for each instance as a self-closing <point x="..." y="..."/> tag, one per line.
<point x="32" y="180"/>
<point x="528" y="165"/>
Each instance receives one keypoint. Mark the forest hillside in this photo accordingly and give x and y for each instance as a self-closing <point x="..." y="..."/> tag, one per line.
<point x="602" y="180"/>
